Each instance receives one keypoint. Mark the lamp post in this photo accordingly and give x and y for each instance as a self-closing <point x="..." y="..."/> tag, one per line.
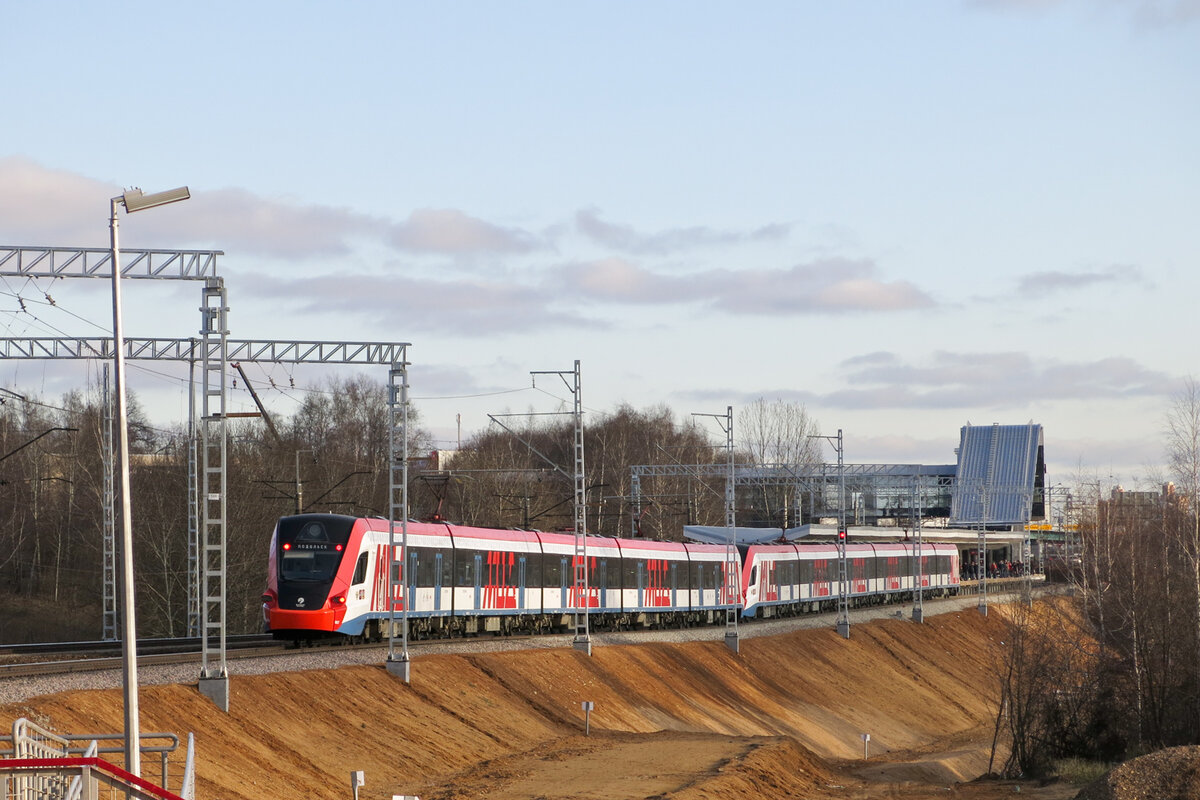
<point x="133" y="200"/>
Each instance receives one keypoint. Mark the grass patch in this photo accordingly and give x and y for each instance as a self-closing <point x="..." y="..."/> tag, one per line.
<point x="1079" y="771"/>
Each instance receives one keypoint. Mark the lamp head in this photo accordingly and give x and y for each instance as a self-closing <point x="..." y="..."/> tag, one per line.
<point x="135" y="200"/>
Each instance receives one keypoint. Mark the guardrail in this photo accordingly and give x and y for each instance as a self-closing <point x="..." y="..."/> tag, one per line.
<point x="44" y="764"/>
<point x="82" y="778"/>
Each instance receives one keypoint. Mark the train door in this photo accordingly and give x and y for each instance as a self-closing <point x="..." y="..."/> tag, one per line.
<point x="437" y="581"/>
<point x="564" y="576"/>
<point x="411" y="600"/>
<point x="674" y="585"/>
<point x="521" y="582"/>
<point x="604" y="583"/>
<point x="641" y="583"/>
<point x="478" y="581"/>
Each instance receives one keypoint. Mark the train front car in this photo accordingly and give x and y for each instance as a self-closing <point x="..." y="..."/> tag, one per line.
<point x="309" y="574"/>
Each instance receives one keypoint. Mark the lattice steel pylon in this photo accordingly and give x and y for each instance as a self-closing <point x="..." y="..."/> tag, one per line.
<point x="583" y="638"/>
<point x="214" y="676"/>
<point x="193" y="503"/>
<point x="398" y="663"/>
<point x="843" y="621"/>
<point x="918" y="510"/>
<point x="731" y="583"/>
<point x="581" y="579"/>
<point x="108" y="554"/>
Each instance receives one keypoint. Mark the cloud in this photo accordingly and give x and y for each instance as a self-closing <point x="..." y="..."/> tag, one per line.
<point x="625" y="238"/>
<point x="462" y="307"/>
<point x="451" y="231"/>
<point x="1048" y="282"/>
<point x="989" y="380"/>
<point x="972" y="381"/>
<point x="41" y="206"/>
<point x="1166" y="13"/>
<point x="1144" y="13"/>
<point x="827" y="286"/>
<point x="45" y="207"/>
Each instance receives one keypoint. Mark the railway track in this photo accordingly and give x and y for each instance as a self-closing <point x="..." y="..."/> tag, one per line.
<point x="43" y="660"/>
<point x="58" y="658"/>
<point x="82" y="659"/>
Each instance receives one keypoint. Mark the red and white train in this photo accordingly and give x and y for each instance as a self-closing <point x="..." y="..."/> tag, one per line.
<point x="327" y="574"/>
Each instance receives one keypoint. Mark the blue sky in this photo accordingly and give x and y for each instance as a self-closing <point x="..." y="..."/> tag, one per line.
<point x="906" y="216"/>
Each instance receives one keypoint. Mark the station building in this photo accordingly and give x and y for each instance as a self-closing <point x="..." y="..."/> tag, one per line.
<point x="992" y="503"/>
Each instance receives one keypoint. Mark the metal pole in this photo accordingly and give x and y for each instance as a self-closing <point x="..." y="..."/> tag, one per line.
<point x="129" y="623"/>
<point x="582" y="578"/>
<point x="299" y="487"/>
<point x="918" y="613"/>
<point x="843" y="622"/>
<point x="731" y="574"/>
<point x="398" y="664"/>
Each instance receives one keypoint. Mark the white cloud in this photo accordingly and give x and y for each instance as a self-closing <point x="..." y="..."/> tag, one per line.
<point x="828" y="286"/>
<point x="462" y="307"/>
<point x="1054" y="281"/>
<point x="626" y="238"/>
<point x="451" y="231"/>
<point x="40" y="206"/>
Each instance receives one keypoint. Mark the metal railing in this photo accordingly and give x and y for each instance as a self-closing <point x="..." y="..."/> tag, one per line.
<point x="43" y="764"/>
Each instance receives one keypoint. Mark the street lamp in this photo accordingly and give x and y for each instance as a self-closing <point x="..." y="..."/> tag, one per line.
<point x="133" y="200"/>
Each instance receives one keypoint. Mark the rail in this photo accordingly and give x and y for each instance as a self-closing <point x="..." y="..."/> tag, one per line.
<point x="92" y="779"/>
<point x="31" y="742"/>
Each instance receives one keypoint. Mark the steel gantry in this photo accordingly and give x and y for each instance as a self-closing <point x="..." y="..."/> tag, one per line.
<point x="188" y="265"/>
<point x="207" y="495"/>
<point x="208" y="566"/>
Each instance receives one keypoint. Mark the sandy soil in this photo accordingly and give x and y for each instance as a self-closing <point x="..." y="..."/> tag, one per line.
<point x="683" y="721"/>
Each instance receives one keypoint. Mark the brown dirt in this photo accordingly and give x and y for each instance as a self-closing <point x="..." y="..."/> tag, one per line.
<point x="680" y="721"/>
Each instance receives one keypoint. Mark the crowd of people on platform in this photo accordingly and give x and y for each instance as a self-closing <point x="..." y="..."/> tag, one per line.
<point x="995" y="569"/>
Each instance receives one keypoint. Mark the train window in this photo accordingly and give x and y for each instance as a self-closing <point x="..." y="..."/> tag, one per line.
<point x="754" y="575"/>
<point x="553" y="569"/>
<point x="425" y="565"/>
<point x="610" y="577"/>
<point x="629" y="569"/>
<point x="308" y="565"/>
<point x="533" y="567"/>
<point x="360" y="570"/>
<point x="464" y="567"/>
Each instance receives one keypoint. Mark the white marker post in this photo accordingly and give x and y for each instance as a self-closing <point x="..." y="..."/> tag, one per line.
<point x="588" y="705"/>
<point x="357" y="778"/>
<point x="866" y="737"/>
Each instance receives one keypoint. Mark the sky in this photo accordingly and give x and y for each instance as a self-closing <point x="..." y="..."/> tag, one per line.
<point x="907" y="217"/>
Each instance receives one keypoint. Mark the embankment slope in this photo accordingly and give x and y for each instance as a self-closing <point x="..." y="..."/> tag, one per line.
<point x="688" y="720"/>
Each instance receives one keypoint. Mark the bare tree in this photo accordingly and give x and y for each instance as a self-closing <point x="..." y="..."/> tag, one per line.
<point x="783" y="434"/>
<point x="1183" y="457"/>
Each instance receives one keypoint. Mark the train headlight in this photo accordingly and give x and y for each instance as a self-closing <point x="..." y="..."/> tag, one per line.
<point x="338" y="600"/>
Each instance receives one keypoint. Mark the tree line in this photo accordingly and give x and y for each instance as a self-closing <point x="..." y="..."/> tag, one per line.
<point x="1116" y="673"/>
<point x="331" y="455"/>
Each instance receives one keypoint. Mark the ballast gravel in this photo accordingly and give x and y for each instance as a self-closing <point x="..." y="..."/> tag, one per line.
<point x="15" y="690"/>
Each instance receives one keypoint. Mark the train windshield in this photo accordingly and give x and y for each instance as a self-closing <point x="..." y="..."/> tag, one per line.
<point x="312" y="546"/>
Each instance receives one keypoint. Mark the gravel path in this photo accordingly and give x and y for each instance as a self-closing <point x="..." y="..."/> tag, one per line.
<point x="15" y="690"/>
